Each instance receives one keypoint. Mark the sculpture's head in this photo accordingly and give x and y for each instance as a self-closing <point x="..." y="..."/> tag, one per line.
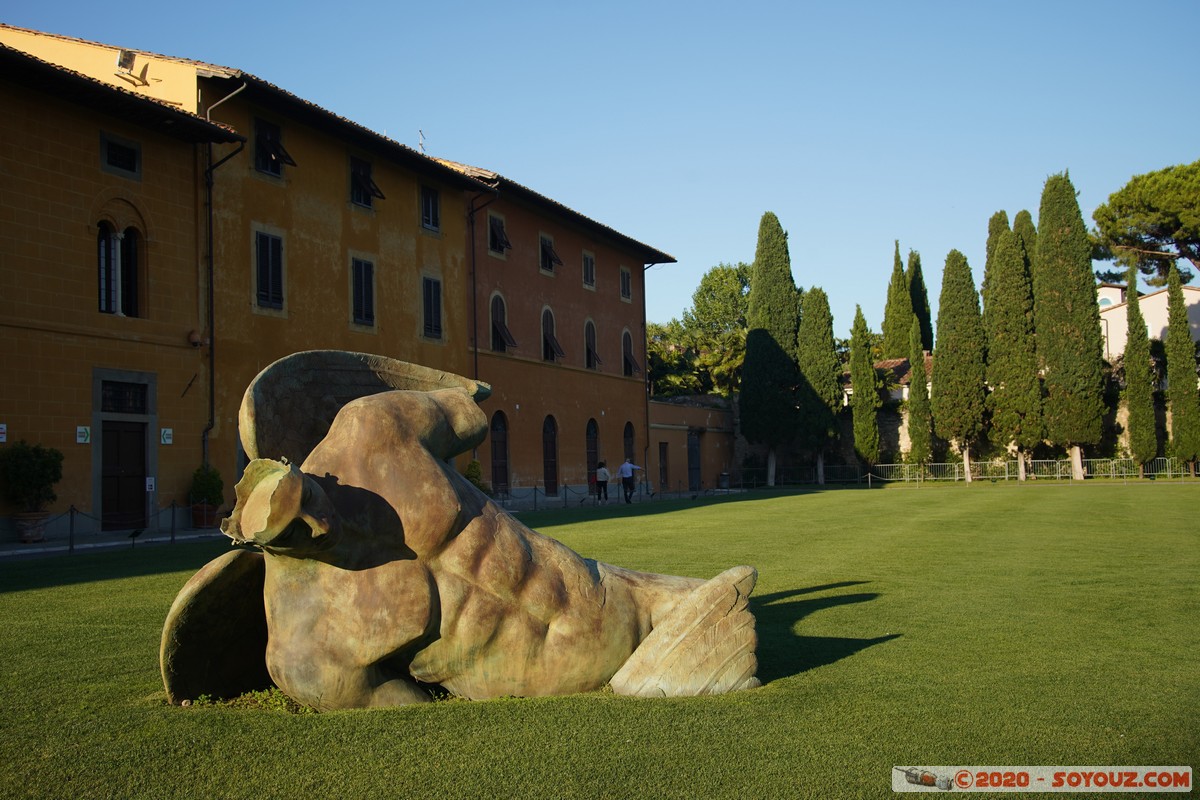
<point x="281" y="510"/>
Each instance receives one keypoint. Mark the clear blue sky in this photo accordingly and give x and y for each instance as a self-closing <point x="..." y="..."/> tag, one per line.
<point x="680" y="123"/>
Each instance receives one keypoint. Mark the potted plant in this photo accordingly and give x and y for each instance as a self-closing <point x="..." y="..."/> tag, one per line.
<point x="28" y="475"/>
<point x="207" y="495"/>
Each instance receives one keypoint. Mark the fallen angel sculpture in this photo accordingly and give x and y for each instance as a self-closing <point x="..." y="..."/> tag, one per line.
<point x="368" y="572"/>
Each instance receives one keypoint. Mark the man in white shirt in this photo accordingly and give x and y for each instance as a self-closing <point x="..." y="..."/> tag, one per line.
<point x="625" y="473"/>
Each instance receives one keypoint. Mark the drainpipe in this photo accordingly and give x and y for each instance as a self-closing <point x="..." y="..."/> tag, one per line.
<point x="471" y="212"/>
<point x="646" y="379"/>
<point x="211" y="322"/>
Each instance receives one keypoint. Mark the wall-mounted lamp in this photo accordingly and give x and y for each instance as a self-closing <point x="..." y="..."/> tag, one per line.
<point x="194" y="339"/>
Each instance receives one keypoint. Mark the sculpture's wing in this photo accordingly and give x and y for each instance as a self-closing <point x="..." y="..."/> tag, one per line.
<point x="289" y="406"/>
<point x="214" y="641"/>
<point x="704" y="646"/>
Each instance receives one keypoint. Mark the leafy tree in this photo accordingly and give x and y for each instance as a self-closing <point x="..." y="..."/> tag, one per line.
<point x="768" y="399"/>
<point x="1067" y="319"/>
<point x="1181" y="376"/>
<point x="819" y="398"/>
<point x="1152" y="222"/>
<point x="670" y="360"/>
<point x="920" y="424"/>
<point x="920" y="298"/>
<point x="720" y="302"/>
<point x="1015" y="401"/>
<point x="716" y="326"/>
<point x="958" y="375"/>
<point x="1139" y="381"/>
<point x="865" y="401"/>
<point x="997" y="224"/>
<point x="897" y="312"/>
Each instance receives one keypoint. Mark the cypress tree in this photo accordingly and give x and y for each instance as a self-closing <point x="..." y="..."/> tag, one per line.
<point x="772" y="302"/>
<point x="865" y="401"/>
<point x="1139" y="381"/>
<point x="958" y="375"/>
<point x="768" y="400"/>
<point x="1067" y="319"/>
<point x="1026" y="233"/>
<point x="1015" y="401"/>
<point x="920" y="426"/>
<point x="919" y="296"/>
<point x="996" y="225"/>
<point x="1181" y="376"/>
<point x="897" y="312"/>
<point x="820" y="393"/>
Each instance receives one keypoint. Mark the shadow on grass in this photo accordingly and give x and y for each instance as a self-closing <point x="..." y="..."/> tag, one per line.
<point x="558" y="515"/>
<point x="110" y="564"/>
<point x="782" y="653"/>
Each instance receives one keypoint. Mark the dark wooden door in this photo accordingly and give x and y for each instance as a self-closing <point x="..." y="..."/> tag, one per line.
<point x="123" y="477"/>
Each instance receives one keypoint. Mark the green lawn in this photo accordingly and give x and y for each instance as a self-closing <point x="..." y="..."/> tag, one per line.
<point x="982" y="625"/>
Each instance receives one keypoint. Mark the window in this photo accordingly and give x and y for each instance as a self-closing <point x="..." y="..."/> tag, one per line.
<point x="589" y="270"/>
<point x="626" y="284"/>
<point x="431" y="209"/>
<point x="551" y="349"/>
<point x="124" y="397"/>
<point x="362" y="276"/>
<point x="499" y="452"/>
<point x="431" y="292"/>
<point x="117" y="270"/>
<point x="269" y="153"/>
<point x="502" y="338"/>
<point x="362" y="187"/>
<point x="629" y="365"/>
<point x="590" y="359"/>
<point x="548" y="257"/>
<point x="497" y="239"/>
<point x="120" y="156"/>
<point x="269" y="270"/>
<point x="550" y="455"/>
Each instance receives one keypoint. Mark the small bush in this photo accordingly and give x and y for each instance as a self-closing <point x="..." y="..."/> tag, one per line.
<point x="474" y="474"/>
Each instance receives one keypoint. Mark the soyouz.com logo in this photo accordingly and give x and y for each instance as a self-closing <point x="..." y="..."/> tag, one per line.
<point x="1042" y="779"/>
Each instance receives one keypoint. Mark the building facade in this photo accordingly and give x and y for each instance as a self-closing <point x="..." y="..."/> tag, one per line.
<point x="100" y="286"/>
<point x="303" y="230"/>
<point x="558" y="329"/>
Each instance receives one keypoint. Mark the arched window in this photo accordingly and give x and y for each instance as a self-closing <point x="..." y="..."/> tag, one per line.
<point x="499" y="452"/>
<point x="550" y="455"/>
<point x="591" y="359"/>
<point x="117" y="270"/>
<point x="629" y="364"/>
<point x="592" y="448"/>
<point x="629" y="441"/>
<point x="502" y="338"/>
<point x="551" y="349"/>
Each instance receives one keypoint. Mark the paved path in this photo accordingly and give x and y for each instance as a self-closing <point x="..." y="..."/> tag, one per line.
<point x="91" y="542"/>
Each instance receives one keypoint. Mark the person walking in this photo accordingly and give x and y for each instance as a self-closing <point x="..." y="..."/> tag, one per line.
<point x="625" y="473"/>
<point x="602" y="479"/>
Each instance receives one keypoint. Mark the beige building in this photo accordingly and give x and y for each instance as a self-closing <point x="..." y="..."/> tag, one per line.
<point x="1114" y="315"/>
